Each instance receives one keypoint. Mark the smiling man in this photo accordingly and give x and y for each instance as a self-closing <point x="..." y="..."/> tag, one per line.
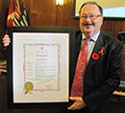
<point x="98" y="66"/>
<point x="99" y="63"/>
<point x="91" y="19"/>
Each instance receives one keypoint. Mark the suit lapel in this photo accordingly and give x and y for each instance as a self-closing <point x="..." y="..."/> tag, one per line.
<point x="99" y="44"/>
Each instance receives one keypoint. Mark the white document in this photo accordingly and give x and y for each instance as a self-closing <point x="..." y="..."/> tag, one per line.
<point x="40" y="67"/>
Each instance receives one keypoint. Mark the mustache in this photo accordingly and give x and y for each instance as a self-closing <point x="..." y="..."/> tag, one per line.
<point x="87" y="24"/>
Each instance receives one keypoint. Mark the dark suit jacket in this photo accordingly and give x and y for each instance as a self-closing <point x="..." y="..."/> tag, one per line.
<point x="102" y="76"/>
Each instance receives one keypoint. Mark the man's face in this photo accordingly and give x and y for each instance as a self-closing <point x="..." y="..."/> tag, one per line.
<point x="90" y="20"/>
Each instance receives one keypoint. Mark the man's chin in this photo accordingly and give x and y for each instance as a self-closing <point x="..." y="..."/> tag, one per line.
<point x="88" y="33"/>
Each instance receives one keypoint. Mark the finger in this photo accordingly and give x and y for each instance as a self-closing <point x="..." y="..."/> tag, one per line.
<point x="6" y="39"/>
<point x="6" y="43"/>
<point x="6" y="36"/>
<point x="72" y="107"/>
<point x="74" y="98"/>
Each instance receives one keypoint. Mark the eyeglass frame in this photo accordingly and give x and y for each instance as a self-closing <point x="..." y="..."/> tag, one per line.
<point x="92" y="17"/>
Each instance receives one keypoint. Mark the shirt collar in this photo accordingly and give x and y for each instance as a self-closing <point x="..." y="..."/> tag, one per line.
<point x="94" y="38"/>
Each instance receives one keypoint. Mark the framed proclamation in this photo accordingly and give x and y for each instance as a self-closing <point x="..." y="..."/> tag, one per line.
<point x="40" y="65"/>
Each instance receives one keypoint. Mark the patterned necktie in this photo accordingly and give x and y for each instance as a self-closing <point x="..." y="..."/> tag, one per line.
<point x="77" y="86"/>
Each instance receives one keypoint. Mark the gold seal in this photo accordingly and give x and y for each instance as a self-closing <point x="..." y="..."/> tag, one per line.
<point x="28" y="86"/>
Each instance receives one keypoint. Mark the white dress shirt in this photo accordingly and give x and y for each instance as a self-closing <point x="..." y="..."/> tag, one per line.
<point x="91" y="43"/>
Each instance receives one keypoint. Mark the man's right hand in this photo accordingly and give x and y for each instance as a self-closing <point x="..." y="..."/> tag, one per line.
<point x="6" y="40"/>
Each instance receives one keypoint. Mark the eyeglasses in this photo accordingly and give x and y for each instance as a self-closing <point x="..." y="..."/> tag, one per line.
<point x="92" y="17"/>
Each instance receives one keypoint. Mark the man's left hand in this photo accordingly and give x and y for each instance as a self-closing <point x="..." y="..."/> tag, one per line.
<point x="78" y="103"/>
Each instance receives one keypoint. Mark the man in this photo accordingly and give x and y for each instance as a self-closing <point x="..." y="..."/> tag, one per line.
<point x="102" y="73"/>
<point x="104" y="62"/>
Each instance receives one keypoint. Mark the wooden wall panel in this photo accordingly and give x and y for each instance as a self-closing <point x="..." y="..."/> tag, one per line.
<point x="114" y="26"/>
<point x="46" y="13"/>
<point x="42" y="13"/>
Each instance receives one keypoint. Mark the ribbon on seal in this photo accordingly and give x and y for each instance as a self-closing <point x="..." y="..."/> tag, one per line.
<point x="28" y="86"/>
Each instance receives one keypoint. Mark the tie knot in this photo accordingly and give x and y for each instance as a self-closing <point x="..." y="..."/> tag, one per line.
<point x="87" y="39"/>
